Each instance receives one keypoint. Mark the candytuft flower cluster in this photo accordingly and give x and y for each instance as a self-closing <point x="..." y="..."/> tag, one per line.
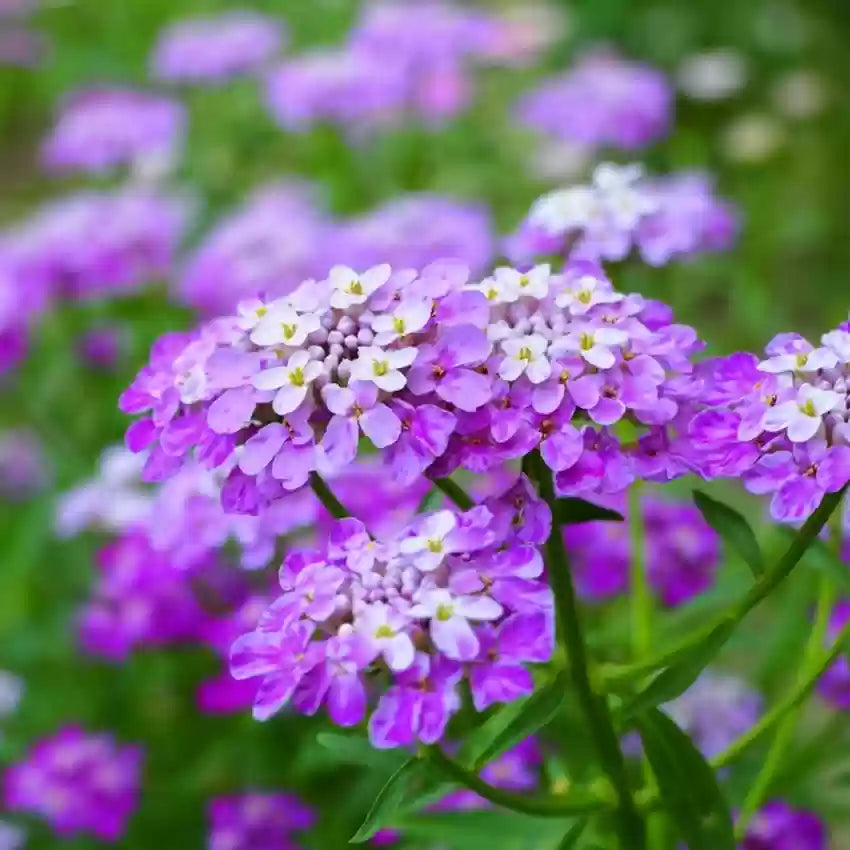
<point x="437" y="371"/>
<point x="452" y="595"/>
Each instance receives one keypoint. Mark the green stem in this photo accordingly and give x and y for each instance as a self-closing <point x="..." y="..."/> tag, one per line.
<point x="579" y="804"/>
<point x="641" y="595"/>
<point x="785" y="730"/>
<point x="629" y="823"/>
<point x="455" y="492"/>
<point x="758" y="591"/>
<point x="326" y="496"/>
<point x="800" y="692"/>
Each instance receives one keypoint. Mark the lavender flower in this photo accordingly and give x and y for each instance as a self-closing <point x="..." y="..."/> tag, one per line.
<point x="449" y="594"/>
<point x="256" y="819"/>
<point x="780" y="423"/>
<point x="663" y="218"/>
<point x="140" y="599"/>
<point x="11" y="837"/>
<point x="212" y="50"/>
<point x="96" y="244"/>
<point x="437" y="371"/>
<point x="778" y="826"/>
<point x="78" y="782"/>
<point x="834" y="685"/>
<point x="99" y="130"/>
<point x="415" y="230"/>
<point x="715" y="711"/>
<point x="244" y="255"/>
<point x="23" y="466"/>
<point x="682" y="552"/>
<point x="603" y="101"/>
<point x="101" y="347"/>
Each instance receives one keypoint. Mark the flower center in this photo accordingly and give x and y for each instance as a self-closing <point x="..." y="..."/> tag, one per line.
<point x="525" y="354"/>
<point x="585" y="296"/>
<point x="296" y="377"/>
<point x="384" y="631"/>
<point x="288" y="330"/>
<point x="492" y="293"/>
<point x="802" y="359"/>
<point x="434" y="545"/>
<point x="261" y="311"/>
<point x="808" y="407"/>
<point x="380" y="367"/>
<point x="524" y="281"/>
<point x="445" y="612"/>
<point x="355" y="287"/>
<point x="398" y="325"/>
<point x="586" y="342"/>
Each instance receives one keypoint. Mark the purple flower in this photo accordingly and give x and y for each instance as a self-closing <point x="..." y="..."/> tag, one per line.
<point x="212" y="50"/>
<point x="261" y="820"/>
<point x="603" y="101"/>
<point x="834" y="685"/>
<point x="100" y="130"/>
<point x="777" y="826"/>
<point x="418" y="708"/>
<point x="410" y="605"/>
<point x="78" y="782"/>
<point x="24" y="469"/>
<point x="243" y="255"/>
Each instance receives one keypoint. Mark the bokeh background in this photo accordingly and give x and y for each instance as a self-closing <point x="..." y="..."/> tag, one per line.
<point x="762" y="103"/>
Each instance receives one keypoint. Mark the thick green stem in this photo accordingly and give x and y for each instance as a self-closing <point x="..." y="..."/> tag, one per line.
<point x="563" y="807"/>
<point x="630" y="826"/>
<point x="758" y="591"/>
<point x="812" y="663"/>
<point x="326" y="496"/>
<point x="455" y="492"/>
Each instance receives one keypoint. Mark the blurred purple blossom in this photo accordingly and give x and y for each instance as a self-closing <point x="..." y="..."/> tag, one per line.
<point x="212" y="50"/>
<point x="99" y="130"/>
<point x="257" y="820"/>
<point x="24" y="468"/>
<point x="78" y="782"/>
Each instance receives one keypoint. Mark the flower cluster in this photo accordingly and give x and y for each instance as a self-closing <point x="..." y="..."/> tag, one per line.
<point x="257" y="820"/>
<point x="401" y="60"/>
<point x="414" y="230"/>
<point x="452" y="595"/>
<point x="78" y="782"/>
<point x="604" y="101"/>
<point x="212" y="50"/>
<point x="437" y="371"/>
<point x="94" y="243"/>
<point x="100" y="130"/>
<point x="663" y="218"/>
<point x="778" y="826"/>
<point x="681" y="552"/>
<point x="779" y="423"/>
<point x="140" y="599"/>
<point x="244" y="255"/>
<point x="715" y="711"/>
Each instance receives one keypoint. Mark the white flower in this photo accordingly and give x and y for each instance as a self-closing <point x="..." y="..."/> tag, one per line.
<point x="620" y="194"/>
<point x="494" y="289"/>
<point x="281" y="325"/>
<point x="430" y="546"/>
<point x="525" y="354"/>
<point x="533" y="283"/>
<point x="382" y="367"/>
<point x="586" y="292"/>
<point x="592" y="344"/>
<point x="348" y="287"/>
<point x="838" y="342"/>
<point x="292" y="381"/>
<point x="800" y="361"/>
<point x="192" y="384"/>
<point x="251" y="312"/>
<point x="565" y="209"/>
<point x="409" y="316"/>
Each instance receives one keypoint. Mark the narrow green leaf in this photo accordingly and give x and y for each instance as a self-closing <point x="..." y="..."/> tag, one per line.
<point x="513" y="723"/>
<point x="686" y="783"/>
<point x="485" y="830"/>
<point x="573" y="834"/>
<point x="679" y="676"/>
<point x="571" y="510"/>
<point x="390" y="798"/>
<point x="733" y="529"/>
<point x="355" y="749"/>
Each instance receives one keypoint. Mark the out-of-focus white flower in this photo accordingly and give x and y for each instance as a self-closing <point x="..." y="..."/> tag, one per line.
<point x="752" y="137"/>
<point x="559" y="159"/>
<point x="800" y="94"/>
<point x="11" y="691"/>
<point x="713" y="74"/>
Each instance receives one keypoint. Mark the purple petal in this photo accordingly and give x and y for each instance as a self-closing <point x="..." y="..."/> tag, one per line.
<point x="232" y="410"/>
<point x="455" y="637"/>
<point x="346" y="700"/>
<point x="140" y="435"/>
<point x="340" y="441"/>
<point x="465" y="389"/>
<point x="381" y="426"/>
<point x="260" y="450"/>
<point x="492" y="683"/>
<point x="562" y="449"/>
